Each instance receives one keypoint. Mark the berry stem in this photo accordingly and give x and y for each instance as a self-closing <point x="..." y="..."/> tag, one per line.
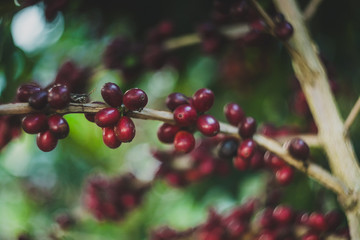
<point x="312" y="169"/>
<point x="311" y="8"/>
<point x="352" y="116"/>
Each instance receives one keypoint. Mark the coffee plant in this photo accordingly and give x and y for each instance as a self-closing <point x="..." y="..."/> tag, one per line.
<point x="218" y="120"/>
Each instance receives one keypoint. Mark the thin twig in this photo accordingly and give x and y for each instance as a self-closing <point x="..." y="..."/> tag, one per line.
<point x="268" y="20"/>
<point x="352" y="116"/>
<point x="313" y="170"/>
<point x="310" y="9"/>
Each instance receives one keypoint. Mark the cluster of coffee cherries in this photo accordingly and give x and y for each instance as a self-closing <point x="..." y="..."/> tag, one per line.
<point x="49" y="129"/>
<point x="132" y="58"/>
<point x="179" y="170"/>
<point x="253" y="221"/>
<point x="189" y="116"/>
<point x="111" y="199"/>
<point x="116" y="127"/>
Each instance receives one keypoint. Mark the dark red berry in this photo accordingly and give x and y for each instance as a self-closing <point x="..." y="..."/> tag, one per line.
<point x="299" y="149"/>
<point x="125" y="129"/>
<point x="283" y="214"/>
<point x="112" y="94"/>
<point x="135" y="99"/>
<point x="284" y="30"/>
<point x="310" y="236"/>
<point x="208" y="125"/>
<point x="46" y="141"/>
<point x="240" y="163"/>
<point x="228" y="148"/>
<point x="233" y="113"/>
<point x="34" y="123"/>
<point x="167" y="132"/>
<point x="59" y="96"/>
<point x="90" y="117"/>
<point x="246" y="149"/>
<point x="107" y="117"/>
<point x="58" y="126"/>
<point x="333" y="219"/>
<point x="39" y="99"/>
<point x="110" y="138"/>
<point x="203" y="99"/>
<point x="176" y="99"/>
<point x="247" y="127"/>
<point x="184" y="142"/>
<point x="284" y="175"/>
<point x="273" y="161"/>
<point x="257" y="160"/>
<point x="24" y="92"/>
<point x="317" y="222"/>
<point x="185" y="115"/>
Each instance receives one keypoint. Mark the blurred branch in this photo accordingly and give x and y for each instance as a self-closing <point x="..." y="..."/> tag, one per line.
<point x="352" y="116"/>
<point x="313" y="170"/>
<point x="311" y="8"/>
<point x="268" y="20"/>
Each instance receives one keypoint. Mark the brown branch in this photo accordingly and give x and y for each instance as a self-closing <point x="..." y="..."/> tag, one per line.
<point x="314" y="82"/>
<point x="313" y="170"/>
<point x="352" y="116"/>
<point x="311" y="8"/>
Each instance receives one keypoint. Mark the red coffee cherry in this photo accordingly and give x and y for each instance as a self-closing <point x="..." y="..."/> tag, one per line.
<point x="107" y="117"/>
<point x="125" y="129"/>
<point x="110" y="138"/>
<point x="185" y="115"/>
<point x="247" y="127"/>
<point x="284" y="175"/>
<point x="176" y="99"/>
<point x="273" y="161"/>
<point x="234" y="113"/>
<point x="284" y="30"/>
<point x="90" y="117"/>
<point x="208" y="125"/>
<point x="38" y="100"/>
<point x="46" y="141"/>
<point x="26" y="90"/>
<point x="283" y="214"/>
<point x="167" y="132"/>
<point x="112" y="94"/>
<point x="240" y="163"/>
<point x="317" y="222"/>
<point x="203" y="99"/>
<point x="184" y="142"/>
<point x="246" y="149"/>
<point x="59" y="96"/>
<point x="34" y="123"/>
<point x="310" y="236"/>
<point x="58" y="126"/>
<point x="299" y="149"/>
<point x="135" y="99"/>
<point x="333" y="219"/>
<point x="257" y="160"/>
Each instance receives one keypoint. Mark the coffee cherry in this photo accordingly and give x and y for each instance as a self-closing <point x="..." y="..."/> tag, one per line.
<point x="310" y="236"/>
<point x="38" y="100"/>
<point x="58" y="126"/>
<point x="46" y="141"/>
<point x="184" y="142"/>
<point x="135" y="99"/>
<point x="167" y="132"/>
<point x="58" y="96"/>
<point x="203" y="99"/>
<point x="273" y="161"/>
<point x="247" y="127"/>
<point x="24" y="92"/>
<point x="240" y="163"/>
<point x="333" y="219"/>
<point x="34" y="123"/>
<point x="317" y="222"/>
<point x="208" y="125"/>
<point x="185" y="115"/>
<point x="246" y="149"/>
<point x="299" y="149"/>
<point x="110" y="138"/>
<point x="125" y="129"/>
<point x="257" y="160"/>
<point x="176" y="99"/>
<point x="112" y="94"/>
<point x="228" y="148"/>
<point x="284" y="30"/>
<point x="283" y="214"/>
<point x="233" y="113"/>
<point x="107" y="117"/>
<point x="90" y="117"/>
<point x="284" y="175"/>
